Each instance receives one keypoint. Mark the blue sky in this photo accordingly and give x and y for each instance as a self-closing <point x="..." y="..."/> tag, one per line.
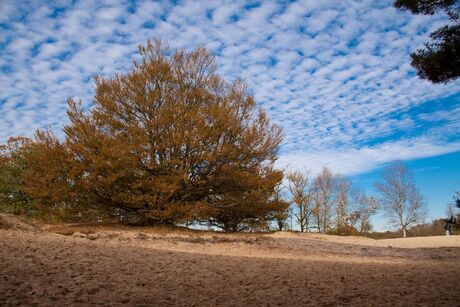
<point x="334" y="74"/>
<point x="436" y="177"/>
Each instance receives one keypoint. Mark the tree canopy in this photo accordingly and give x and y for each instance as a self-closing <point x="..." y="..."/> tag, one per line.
<point x="168" y="142"/>
<point x="439" y="61"/>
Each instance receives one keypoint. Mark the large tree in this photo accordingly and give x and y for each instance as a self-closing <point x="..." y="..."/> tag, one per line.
<point x="168" y="142"/>
<point x="401" y="200"/>
<point x="439" y="61"/>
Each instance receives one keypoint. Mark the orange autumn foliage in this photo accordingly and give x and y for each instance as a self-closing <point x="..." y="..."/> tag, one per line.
<point x="168" y="142"/>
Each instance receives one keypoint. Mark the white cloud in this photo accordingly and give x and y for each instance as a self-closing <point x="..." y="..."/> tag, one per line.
<point x="354" y="161"/>
<point x="335" y="75"/>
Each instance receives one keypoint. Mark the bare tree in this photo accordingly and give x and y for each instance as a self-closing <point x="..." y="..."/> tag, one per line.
<point x="361" y="211"/>
<point x="301" y="190"/>
<point x="324" y="200"/>
<point x="450" y="210"/>
<point x="400" y="198"/>
<point x="342" y="201"/>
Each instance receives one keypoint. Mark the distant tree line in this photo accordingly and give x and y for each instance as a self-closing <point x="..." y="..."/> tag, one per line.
<point x="329" y="203"/>
<point x="432" y="228"/>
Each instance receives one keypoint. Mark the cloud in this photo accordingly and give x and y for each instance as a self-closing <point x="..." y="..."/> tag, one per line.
<point x="354" y="161"/>
<point x="335" y="75"/>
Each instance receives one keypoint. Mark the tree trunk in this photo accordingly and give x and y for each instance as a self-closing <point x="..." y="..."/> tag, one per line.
<point x="404" y="232"/>
<point x="301" y="218"/>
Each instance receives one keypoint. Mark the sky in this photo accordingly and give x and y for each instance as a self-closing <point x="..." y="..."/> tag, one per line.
<point x="335" y="75"/>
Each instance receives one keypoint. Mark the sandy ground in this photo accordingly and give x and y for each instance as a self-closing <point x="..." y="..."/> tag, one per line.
<point x="63" y="265"/>
<point x="418" y="242"/>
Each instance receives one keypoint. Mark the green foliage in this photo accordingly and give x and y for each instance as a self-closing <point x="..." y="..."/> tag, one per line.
<point x="13" y="198"/>
<point x="427" y="7"/>
<point x="280" y="218"/>
<point x="439" y="61"/>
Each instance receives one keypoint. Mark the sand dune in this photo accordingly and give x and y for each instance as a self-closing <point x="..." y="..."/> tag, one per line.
<point x="82" y="266"/>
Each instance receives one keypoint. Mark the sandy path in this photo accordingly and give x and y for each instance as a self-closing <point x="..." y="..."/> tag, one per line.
<point x="138" y="269"/>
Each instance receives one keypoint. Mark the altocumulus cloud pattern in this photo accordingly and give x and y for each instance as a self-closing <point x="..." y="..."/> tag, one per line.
<point x="334" y="74"/>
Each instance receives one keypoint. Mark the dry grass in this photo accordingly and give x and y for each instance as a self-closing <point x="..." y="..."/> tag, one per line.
<point x="13" y="222"/>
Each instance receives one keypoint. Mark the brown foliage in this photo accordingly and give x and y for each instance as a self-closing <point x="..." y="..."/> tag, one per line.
<point x="168" y="142"/>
